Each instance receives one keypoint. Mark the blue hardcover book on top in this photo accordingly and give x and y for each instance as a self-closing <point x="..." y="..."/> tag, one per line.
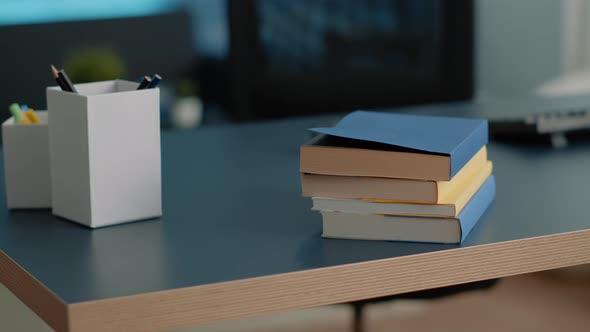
<point x="460" y="138"/>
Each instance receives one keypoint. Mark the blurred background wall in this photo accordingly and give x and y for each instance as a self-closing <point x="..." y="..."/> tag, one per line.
<point x="519" y="47"/>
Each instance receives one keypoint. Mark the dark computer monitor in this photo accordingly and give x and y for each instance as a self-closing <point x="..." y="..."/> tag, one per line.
<point x="306" y="57"/>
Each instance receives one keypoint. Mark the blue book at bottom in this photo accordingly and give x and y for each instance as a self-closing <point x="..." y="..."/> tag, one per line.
<point x="413" y="229"/>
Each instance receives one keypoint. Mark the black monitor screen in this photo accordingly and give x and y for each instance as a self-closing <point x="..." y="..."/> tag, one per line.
<point x="376" y="36"/>
<point x="306" y="57"/>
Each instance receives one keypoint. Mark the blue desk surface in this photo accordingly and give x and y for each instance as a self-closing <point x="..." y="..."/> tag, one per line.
<point x="233" y="210"/>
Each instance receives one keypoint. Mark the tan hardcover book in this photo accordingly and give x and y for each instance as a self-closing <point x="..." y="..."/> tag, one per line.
<point x="387" y="189"/>
<point x="451" y="205"/>
<point x="337" y="156"/>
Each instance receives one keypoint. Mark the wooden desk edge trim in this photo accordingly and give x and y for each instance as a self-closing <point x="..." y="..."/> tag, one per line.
<point x="33" y="293"/>
<point x="184" y="307"/>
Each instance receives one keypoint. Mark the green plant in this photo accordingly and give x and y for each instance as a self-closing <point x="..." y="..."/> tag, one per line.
<point x="94" y="64"/>
<point x="187" y="88"/>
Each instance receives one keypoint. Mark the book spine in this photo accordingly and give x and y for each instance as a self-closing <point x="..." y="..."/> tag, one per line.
<point x="476" y="207"/>
<point x="461" y="155"/>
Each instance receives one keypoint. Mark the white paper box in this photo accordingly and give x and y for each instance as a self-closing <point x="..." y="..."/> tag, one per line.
<point x="26" y="164"/>
<point x="105" y="153"/>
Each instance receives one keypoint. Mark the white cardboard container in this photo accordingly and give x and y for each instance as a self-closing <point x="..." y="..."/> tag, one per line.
<point x="26" y="164"/>
<point x="105" y="153"/>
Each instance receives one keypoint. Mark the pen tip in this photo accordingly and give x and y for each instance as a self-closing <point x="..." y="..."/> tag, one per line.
<point x="54" y="71"/>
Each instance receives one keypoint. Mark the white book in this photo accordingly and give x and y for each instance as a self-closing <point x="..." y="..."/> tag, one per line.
<point x="368" y="207"/>
<point x="404" y="228"/>
<point x="390" y="228"/>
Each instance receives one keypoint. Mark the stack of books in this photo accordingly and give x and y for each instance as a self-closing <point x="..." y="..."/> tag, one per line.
<point x="399" y="177"/>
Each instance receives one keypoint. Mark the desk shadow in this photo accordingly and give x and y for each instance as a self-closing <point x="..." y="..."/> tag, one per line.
<point x="318" y="252"/>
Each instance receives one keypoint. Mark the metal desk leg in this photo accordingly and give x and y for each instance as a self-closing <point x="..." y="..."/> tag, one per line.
<point x="357" y="323"/>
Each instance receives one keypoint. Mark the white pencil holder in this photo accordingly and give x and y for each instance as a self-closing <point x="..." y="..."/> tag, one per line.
<point x="105" y="153"/>
<point x="26" y="164"/>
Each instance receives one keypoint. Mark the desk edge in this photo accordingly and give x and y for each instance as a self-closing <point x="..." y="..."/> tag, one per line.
<point x="184" y="307"/>
<point x="33" y="293"/>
